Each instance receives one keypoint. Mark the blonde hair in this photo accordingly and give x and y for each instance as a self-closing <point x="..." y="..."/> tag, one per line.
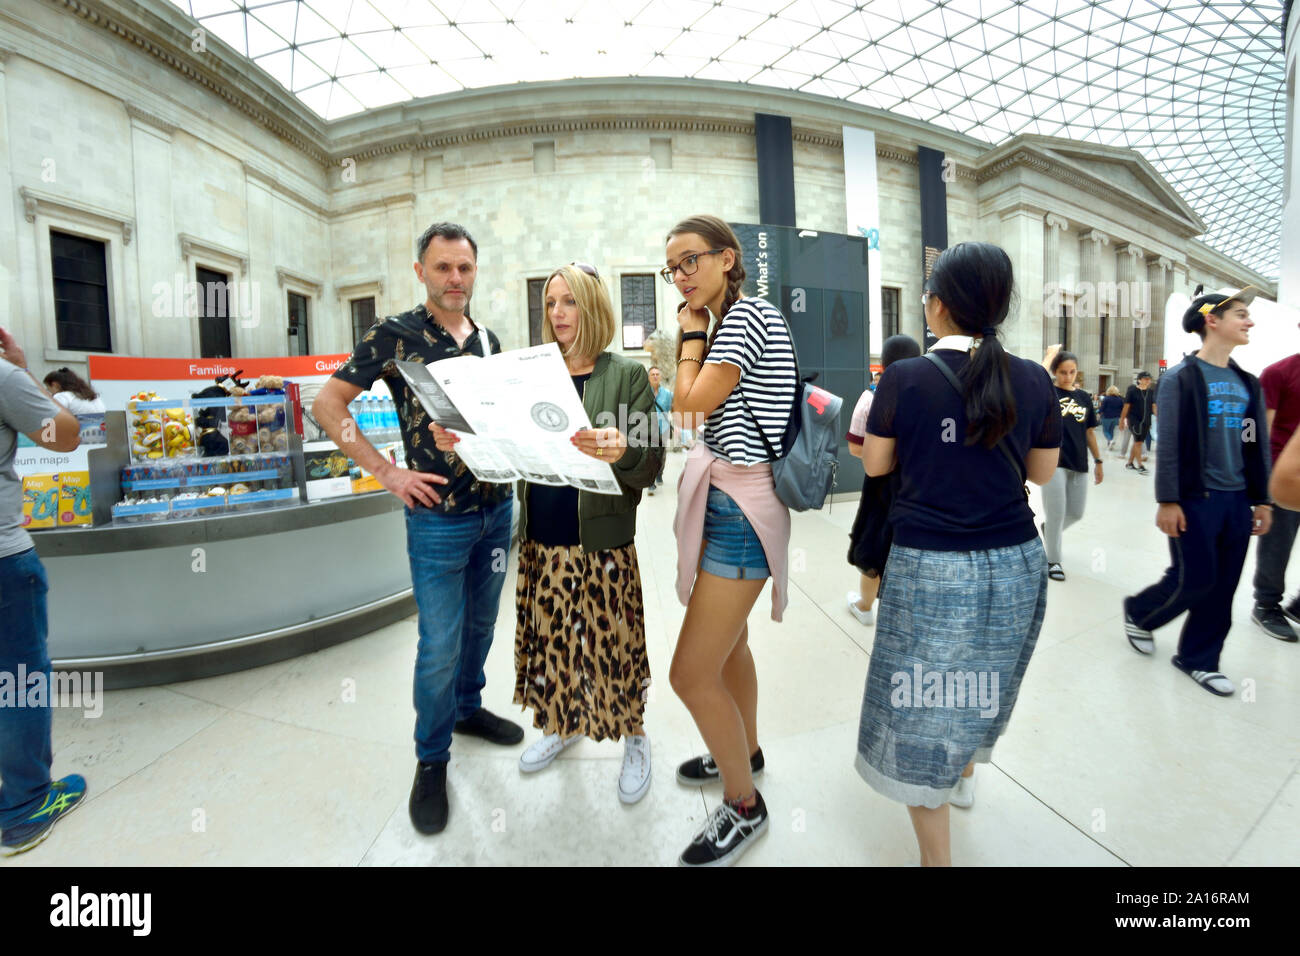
<point x="596" y="325"/>
<point x="1113" y="390"/>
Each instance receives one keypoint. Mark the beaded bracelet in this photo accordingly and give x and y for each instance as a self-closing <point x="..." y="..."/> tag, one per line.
<point x="689" y="359"/>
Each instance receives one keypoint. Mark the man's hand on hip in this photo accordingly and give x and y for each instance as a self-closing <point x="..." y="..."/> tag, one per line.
<point x="415" y="488"/>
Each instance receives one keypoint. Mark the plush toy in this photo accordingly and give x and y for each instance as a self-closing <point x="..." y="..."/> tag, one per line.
<point x="268" y="385"/>
<point x="213" y="444"/>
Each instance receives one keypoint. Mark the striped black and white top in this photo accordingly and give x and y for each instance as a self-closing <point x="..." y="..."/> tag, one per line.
<point x="754" y="338"/>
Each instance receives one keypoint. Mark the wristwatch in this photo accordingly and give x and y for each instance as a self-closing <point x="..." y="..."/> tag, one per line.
<point x="1096" y="461"/>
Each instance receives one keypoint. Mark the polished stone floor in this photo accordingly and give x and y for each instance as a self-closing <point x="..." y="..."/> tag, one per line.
<point x="1111" y="759"/>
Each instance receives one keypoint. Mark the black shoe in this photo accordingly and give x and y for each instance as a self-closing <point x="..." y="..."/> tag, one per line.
<point x="701" y="770"/>
<point x="1273" y="622"/>
<point x="483" y="723"/>
<point x="1292" y="610"/>
<point x="727" y="835"/>
<point x="1056" y="572"/>
<point x="1131" y="467"/>
<point x="428" y="805"/>
<point x="1142" y="470"/>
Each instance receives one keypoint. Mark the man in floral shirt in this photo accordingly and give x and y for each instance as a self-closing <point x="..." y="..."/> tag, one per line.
<point x="457" y="529"/>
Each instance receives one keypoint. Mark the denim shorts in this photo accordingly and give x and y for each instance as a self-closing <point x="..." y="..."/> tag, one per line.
<point x="731" y="545"/>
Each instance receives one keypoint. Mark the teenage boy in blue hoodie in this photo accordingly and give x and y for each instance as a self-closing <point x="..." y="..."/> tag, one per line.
<point x="1212" y="489"/>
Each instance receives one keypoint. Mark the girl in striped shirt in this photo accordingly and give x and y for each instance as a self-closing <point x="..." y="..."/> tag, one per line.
<point x="732" y="530"/>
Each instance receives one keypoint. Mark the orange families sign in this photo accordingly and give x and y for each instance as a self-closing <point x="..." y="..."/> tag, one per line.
<point x="122" y="368"/>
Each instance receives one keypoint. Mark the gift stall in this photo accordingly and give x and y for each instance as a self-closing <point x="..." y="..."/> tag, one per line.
<point x="204" y="541"/>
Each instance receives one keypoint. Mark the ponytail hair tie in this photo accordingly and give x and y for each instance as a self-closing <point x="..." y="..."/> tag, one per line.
<point x="989" y="331"/>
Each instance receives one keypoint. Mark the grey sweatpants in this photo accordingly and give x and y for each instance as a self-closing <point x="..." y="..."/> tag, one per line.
<point x="1063" y="500"/>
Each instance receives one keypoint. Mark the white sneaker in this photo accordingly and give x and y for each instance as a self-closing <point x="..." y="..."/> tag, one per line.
<point x="866" y="617"/>
<point x="963" y="795"/>
<point x="539" y="755"/>
<point x="634" y="781"/>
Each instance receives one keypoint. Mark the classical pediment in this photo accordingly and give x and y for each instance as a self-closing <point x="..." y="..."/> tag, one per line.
<point x="1110" y="172"/>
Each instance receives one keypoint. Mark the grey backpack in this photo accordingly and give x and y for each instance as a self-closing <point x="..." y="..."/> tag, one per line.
<point x="804" y="469"/>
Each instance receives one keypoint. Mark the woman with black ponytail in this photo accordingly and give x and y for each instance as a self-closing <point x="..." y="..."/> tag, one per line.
<point x="966" y="582"/>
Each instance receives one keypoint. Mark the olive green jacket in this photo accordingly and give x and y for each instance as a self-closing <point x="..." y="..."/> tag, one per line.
<point x="616" y="383"/>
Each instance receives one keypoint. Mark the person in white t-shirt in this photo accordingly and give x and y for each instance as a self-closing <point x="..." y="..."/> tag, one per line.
<point x="73" y="392"/>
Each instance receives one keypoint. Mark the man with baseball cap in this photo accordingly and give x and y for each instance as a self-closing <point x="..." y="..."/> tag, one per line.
<point x="1212" y="489"/>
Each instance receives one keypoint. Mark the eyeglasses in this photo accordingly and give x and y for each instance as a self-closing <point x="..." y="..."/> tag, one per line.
<point x="589" y="269"/>
<point x="925" y="297"/>
<point x="689" y="265"/>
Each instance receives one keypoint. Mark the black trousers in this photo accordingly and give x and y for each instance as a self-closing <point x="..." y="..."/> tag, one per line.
<point x="1272" y="555"/>
<point x="1206" y="566"/>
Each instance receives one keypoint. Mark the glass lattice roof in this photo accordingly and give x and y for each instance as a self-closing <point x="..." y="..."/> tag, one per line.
<point x="1197" y="88"/>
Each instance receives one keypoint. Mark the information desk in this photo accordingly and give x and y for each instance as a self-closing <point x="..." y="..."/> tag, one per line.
<point x="178" y="600"/>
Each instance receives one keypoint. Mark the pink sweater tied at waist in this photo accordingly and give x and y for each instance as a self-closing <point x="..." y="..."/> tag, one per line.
<point x="751" y="487"/>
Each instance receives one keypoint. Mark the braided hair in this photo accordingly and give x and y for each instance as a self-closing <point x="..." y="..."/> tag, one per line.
<point x="716" y="235"/>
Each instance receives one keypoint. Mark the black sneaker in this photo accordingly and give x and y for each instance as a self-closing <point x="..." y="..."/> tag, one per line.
<point x="483" y="723"/>
<point x="1131" y="467"/>
<point x="1142" y="470"/>
<point x="727" y="835"/>
<point x="701" y="770"/>
<point x="1292" y="610"/>
<point x="428" y="805"/>
<point x="1273" y="622"/>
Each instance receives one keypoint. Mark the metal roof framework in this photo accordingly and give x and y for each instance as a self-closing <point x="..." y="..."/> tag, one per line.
<point x="1197" y="88"/>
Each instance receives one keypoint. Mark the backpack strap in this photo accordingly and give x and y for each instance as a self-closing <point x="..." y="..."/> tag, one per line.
<point x="1007" y="453"/>
<point x="766" y="444"/>
<point x="483" y="341"/>
<point x="798" y="390"/>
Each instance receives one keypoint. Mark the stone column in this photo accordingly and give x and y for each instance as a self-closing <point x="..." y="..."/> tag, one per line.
<point x="16" y="283"/>
<point x="1159" y="274"/>
<point x="1052" y="279"/>
<point x="1088" y="307"/>
<point x="1133" y="311"/>
<point x="1022" y="238"/>
<point x="153" y="331"/>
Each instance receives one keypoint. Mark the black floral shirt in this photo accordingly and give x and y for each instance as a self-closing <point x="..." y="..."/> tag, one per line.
<point x="414" y="336"/>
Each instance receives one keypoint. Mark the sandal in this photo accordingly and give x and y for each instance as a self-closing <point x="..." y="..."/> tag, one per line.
<point x="1056" y="572"/>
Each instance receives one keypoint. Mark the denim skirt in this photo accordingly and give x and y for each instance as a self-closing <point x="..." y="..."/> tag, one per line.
<point x="731" y="545"/>
<point x="954" y="634"/>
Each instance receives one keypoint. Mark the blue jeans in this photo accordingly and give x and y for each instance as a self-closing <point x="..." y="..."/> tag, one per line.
<point x="26" y="751"/>
<point x="731" y="545"/>
<point x="458" y="565"/>
<point x="1108" y="428"/>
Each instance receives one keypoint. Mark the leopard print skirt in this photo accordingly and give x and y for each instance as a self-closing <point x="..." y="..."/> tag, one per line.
<point x="580" y="655"/>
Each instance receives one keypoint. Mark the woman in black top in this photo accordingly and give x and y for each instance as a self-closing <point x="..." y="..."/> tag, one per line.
<point x="966" y="582"/>
<point x="1066" y="494"/>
